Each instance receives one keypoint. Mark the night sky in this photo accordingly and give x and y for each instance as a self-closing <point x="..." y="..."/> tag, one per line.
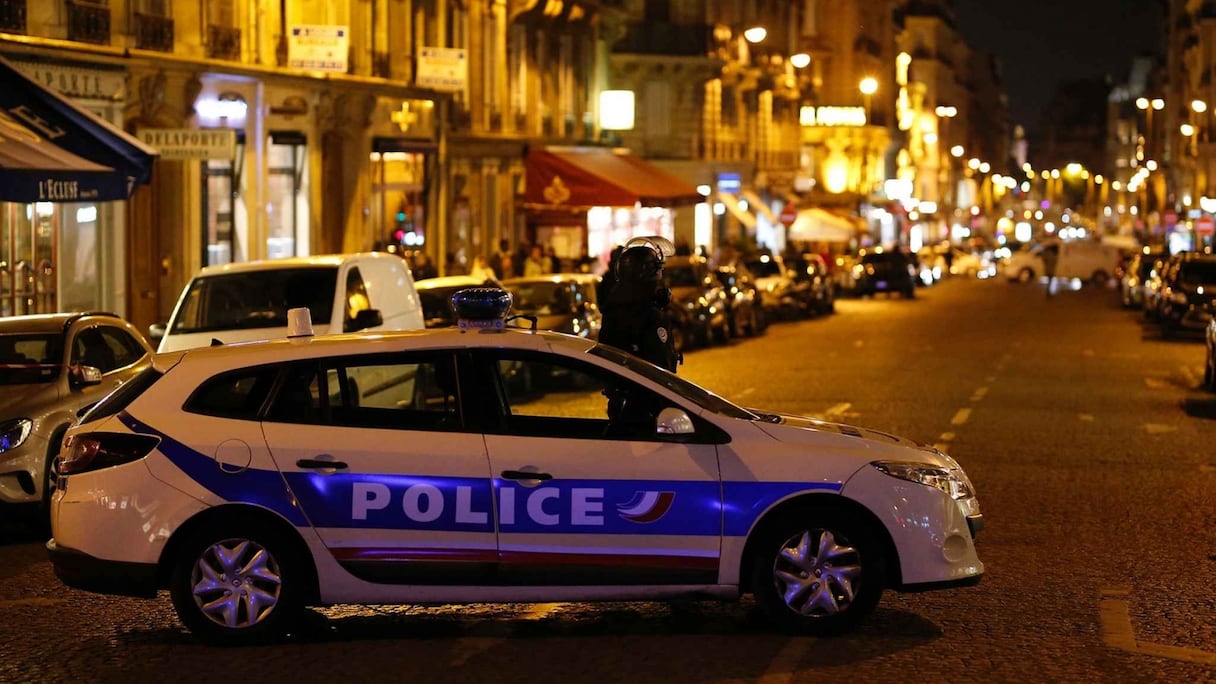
<point x="1041" y="43"/>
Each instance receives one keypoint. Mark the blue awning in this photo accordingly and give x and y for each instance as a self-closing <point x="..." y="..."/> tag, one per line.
<point x="54" y="151"/>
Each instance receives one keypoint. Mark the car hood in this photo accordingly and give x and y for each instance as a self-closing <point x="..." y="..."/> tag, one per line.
<point x="25" y="401"/>
<point x="874" y="444"/>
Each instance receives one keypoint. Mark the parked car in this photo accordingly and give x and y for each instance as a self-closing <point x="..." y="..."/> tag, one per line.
<point x="781" y="295"/>
<point x="1187" y="300"/>
<point x="249" y="301"/>
<point x="744" y="308"/>
<point x="1209" y="362"/>
<point x="1136" y="273"/>
<point x="435" y="295"/>
<point x="562" y="302"/>
<point x="818" y="290"/>
<point x="886" y="271"/>
<point x="699" y="301"/>
<point x="51" y="367"/>
<point x="270" y="487"/>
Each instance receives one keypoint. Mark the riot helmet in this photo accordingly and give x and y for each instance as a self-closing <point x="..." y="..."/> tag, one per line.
<point x="641" y="261"/>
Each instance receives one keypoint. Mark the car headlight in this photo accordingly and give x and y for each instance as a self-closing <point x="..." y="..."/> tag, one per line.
<point x="14" y="433"/>
<point x="953" y="482"/>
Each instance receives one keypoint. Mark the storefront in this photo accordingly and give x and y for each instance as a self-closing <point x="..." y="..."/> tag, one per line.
<point x="62" y="244"/>
<point x="588" y="200"/>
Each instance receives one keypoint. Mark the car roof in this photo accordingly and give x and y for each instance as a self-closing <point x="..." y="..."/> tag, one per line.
<point x="334" y="260"/>
<point x="46" y="323"/>
<point x="553" y="278"/>
<point x="244" y="354"/>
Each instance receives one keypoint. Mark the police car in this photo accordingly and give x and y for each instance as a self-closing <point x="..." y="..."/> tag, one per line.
<point x="478" y="464"/>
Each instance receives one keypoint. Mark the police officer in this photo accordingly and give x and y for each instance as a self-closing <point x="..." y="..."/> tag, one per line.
<point x="635" y="313"/>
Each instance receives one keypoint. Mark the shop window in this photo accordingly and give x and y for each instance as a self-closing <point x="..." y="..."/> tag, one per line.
<point x="221" y="189"/>
<point x="287" y="195"/>
<point x="399" y="191"/>
<point x="28" y="258"/>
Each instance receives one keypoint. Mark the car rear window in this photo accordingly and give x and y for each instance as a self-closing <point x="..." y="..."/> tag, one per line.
<point x="235" y="394"/>
<point x="256" y="299"/>
<point x="122" y="396"/>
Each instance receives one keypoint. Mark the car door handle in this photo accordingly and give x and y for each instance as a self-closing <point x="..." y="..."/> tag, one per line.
<point x="318" y="464"/>
<point x="525" y="475"/>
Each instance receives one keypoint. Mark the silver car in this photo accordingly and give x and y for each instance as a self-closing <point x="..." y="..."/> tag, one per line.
<point x="51" y="367"/>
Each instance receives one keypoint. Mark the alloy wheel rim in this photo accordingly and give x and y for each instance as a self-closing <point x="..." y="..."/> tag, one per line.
<point x="816" y="574"/>
<point x="236" y="583"/>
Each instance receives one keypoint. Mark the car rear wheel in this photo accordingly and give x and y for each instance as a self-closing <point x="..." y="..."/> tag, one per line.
<point x="819" y="572"/>
<point x="1025" y="275"/>
<point x="235" y="588"/>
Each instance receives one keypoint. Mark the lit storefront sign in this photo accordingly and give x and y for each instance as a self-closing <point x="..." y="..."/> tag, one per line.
<point x="318" y="48"/>
<point x="832" y="116"/>
<point x="190" y="143"/>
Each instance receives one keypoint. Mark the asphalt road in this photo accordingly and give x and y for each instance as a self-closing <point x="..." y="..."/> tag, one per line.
<point x="1091" y="446"/>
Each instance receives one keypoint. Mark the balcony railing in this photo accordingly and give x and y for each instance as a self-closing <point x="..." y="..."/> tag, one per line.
<point x="153" y="33"/>
<point x="223" y="42"/>
<point x="666" y="38"/>
<point x="88" y="22"/>
<point x="12" y="16"/>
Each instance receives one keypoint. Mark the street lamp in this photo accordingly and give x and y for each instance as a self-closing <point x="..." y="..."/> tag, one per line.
<point x="868" y="86"/>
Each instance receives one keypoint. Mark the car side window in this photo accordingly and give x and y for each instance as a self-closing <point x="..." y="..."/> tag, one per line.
<point x="126" y="350"/>
<point x="412" y="392"/>
<point x="550" y="396"/>
<point x="90" y="348"/>
<point x="236" y="394"/>
<point x="356" y="297"/>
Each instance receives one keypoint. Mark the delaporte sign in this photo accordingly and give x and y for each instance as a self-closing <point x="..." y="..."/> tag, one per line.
<point x="191" y="143"/>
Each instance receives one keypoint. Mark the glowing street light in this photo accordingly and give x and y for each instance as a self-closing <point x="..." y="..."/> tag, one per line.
<point x="800" y="60"/>
<point x="868" y="86"/>
<point x="755" y="34"/>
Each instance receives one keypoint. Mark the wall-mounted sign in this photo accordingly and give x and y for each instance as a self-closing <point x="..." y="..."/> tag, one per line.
<point x="444" y="69"/>
<point x="832" y="116"/>
<point x="318" y="48"/>
<point x="191" y="143"/>
<point x="92" y="84"/>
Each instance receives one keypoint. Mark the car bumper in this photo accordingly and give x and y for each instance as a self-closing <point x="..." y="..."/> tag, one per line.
<point x="79" y="570"/>
<point x="21" y="471"/>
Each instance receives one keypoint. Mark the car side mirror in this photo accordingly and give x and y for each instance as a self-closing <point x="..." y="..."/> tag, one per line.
<point x="673" y="421"/>
<point x="367" y="318"/>
<point x="156" y="331"/>
<point x="85" y="376"/>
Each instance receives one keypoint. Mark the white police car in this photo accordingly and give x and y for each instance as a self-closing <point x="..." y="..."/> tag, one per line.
<point x="480" y="465"/>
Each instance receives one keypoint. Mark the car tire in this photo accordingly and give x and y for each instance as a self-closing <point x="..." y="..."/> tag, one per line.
<point x="1099" y="278"/>
<point x="50" y="476"/>
<point x="1025" y="275"/>
<point x="817" y="544"/>
<point x="1209" y="375"/>
<point x="217" y="562"/>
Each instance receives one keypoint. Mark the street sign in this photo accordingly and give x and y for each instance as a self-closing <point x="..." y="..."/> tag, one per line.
<point x="1205" y="225"/>
<point x="788" y="214"/>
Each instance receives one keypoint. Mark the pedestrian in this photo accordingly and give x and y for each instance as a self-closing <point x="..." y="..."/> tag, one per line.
<point x="536" y="264"/>
<point x="423" y="268"/>
<point x="555" y="262"/>
<point x="1049" y="253"/>
<point x="501" y="261"/>
<point x="481" y="270"/>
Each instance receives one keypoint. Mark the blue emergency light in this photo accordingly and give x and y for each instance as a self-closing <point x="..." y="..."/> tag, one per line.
<point x="481" y="307"/>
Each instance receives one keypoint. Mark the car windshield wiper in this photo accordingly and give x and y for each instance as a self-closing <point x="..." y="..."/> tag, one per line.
<point x="766" y="417"/>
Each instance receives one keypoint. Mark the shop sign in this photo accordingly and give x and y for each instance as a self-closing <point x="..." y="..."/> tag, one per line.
<point x="444" y="69"/>
<point x="90" y="84"/>
<point x="1205" y="225"/>
<point x="832" y="116"/>
<point x="318" y="47"/>
<point x="177" y="144"/>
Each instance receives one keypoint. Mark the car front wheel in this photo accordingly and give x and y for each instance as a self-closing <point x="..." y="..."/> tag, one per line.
<point x="819" y="572"/>
<point x="236" y="588"/>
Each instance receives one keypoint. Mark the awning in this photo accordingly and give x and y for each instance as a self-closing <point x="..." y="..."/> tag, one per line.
<point x="820" y="225"/>
<point x="744" y="216"/>
<point x="600" y="177"/>
<point x="759" y="206"/>
<point x="55" y="151"/>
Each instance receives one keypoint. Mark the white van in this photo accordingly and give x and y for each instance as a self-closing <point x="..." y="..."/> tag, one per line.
<point x="249" y="301"/>
<point x="1088" y="260"/>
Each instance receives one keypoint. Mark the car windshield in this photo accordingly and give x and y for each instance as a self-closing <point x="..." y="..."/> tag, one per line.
<point x="256" y="299"/>
<point x="29" y="359"/>
<point x="541" y="299"/>
<point x="694" y="393"/>
<point x="764" y="269"/>
<point x="1198" y="273"/>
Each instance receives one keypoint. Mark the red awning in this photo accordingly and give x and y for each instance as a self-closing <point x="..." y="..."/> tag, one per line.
<point x="600" y="177"/>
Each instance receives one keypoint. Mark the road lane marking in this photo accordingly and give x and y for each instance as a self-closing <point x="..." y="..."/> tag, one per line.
<point x="961" y="417"/>
<point x="1158" y="428"/>
<point x="979" y="394"/>
<point x="1117" y="632"/>
<point x="785" y="663"/>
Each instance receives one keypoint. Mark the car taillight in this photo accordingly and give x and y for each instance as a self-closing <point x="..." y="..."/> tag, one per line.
<point x="97" y="450"/>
